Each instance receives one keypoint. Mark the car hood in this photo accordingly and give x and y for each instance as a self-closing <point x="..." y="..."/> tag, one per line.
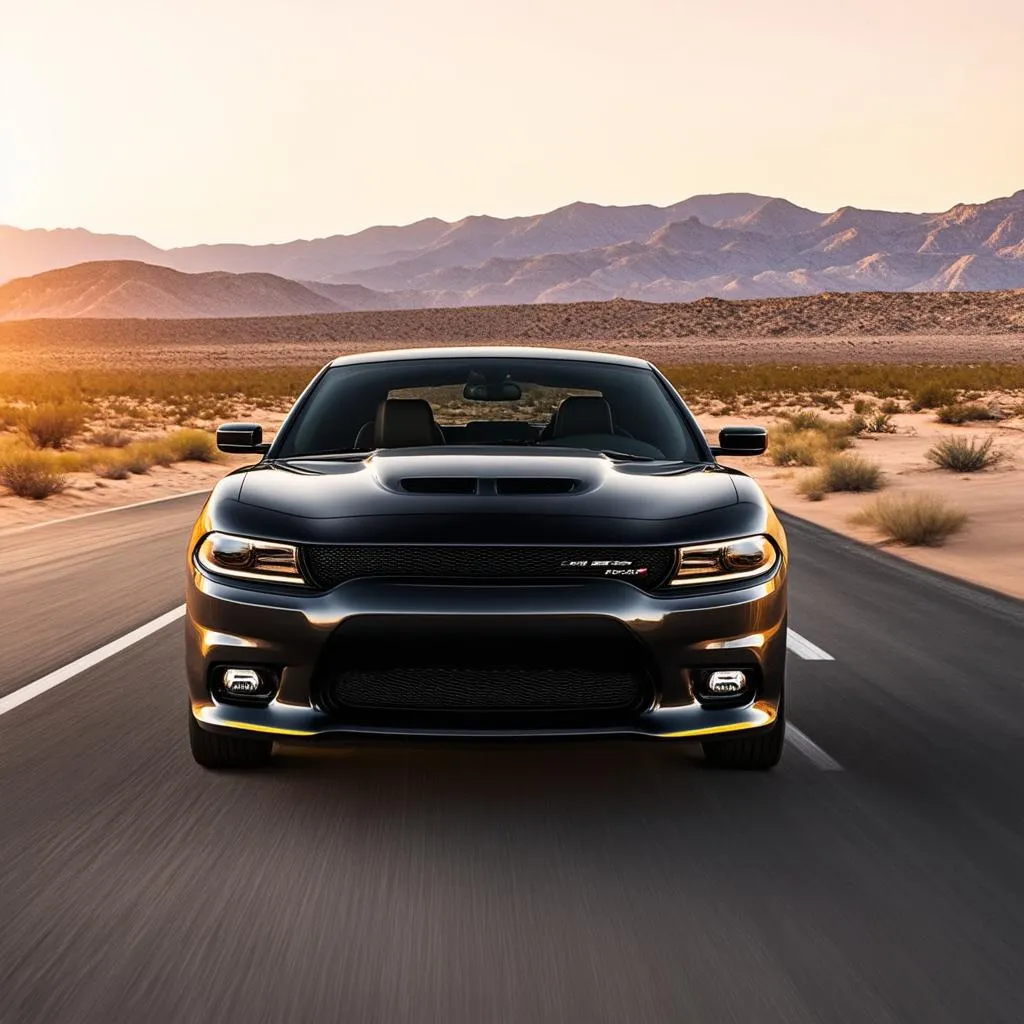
<point x="480" y="496"/>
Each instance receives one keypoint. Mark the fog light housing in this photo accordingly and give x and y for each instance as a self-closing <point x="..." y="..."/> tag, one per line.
<point x="730" y="683"/>
<point x="245" y="685"/>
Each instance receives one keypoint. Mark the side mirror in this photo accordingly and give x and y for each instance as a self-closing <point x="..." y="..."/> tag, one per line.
<point x="241" y="439"/>
<point x="741" y="441"/>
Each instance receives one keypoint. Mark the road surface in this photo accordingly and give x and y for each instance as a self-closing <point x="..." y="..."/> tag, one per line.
<point x="877" y="875"/>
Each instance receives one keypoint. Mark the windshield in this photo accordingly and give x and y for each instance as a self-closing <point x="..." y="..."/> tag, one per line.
<point x="551" y="403"/>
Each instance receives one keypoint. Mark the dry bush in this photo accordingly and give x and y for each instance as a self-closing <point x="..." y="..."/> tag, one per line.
<point x="113" y="470"/>
<point x="10" y="416"/>
<point x="806" y="438"/>
<point x="812" y="487"/>
<point x="798" y="447"/>
<point x="890" y="407"/>
<point x="912" y="519"/>
<point x="136" y="458"/>
<point x="844" y="472"/>
<point x="53" y="425"/>
<point x="881" y="423"/>
<point x="109" y="437"/>
<point x="933" y="395"/>
<point x="30" y="474"/>
<point x="194" y="446"/>
<point x="963" y="454"/>
<point x="964" y="413"/>
<point x="862" y="406"/>
<point x="856" y="425"/>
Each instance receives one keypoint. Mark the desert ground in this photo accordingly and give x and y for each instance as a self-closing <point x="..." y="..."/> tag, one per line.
<point x="139" y="384"/>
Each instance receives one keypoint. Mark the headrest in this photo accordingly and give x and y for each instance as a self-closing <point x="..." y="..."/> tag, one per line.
<point x="583" y="414"/>
<point x="405" y="423"/>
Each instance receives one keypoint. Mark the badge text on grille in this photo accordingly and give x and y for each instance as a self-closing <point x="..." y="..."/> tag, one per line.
<point x="611" y="566"/>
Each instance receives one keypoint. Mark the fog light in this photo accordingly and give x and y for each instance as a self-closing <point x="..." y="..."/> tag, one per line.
<point x="726" y="684"/>
<point x="244" y="682"/>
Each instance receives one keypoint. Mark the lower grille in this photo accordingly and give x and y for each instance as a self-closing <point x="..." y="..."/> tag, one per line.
<point x="328" y="565"/>
<point x="483" y="688"/>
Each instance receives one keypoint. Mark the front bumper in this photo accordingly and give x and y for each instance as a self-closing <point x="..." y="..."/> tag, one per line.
<point x="679" y="635"/>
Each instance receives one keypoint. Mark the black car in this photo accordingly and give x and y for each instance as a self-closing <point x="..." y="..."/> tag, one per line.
<point x="487" y="543"/>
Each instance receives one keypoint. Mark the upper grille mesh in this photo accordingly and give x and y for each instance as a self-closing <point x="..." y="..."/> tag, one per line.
<point x="329" y="565"/>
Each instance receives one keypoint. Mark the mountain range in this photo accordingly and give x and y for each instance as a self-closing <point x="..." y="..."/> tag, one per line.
<point x="734" y="245"/>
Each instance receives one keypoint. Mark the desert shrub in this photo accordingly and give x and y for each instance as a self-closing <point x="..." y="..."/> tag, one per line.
<point x="964" y="413"/>
<point x="195" y="446"/>
<point x="53" y="425"/>
<point x="136" y="458"/>
<point x="109" y="437"/>
<point x="890" y="407"/>
<point x="10" y="416"/>
<point x="30" y="474"/>
<point x="113" y="470"/>
<point x="912" y="519"/>
<point x="812" y="487"/>
<point x="158" y="451"/>
<point x="798" y="447"/>
<point x="933" y="395"/>
<point x="807" y="421"/>
<point x="862" y="406"/>
<point x="826" y="401"/>
<point x="881" y="423"/>
<point x="964" y="454"/>
<point x="848" y="472"/>
<point x="855" y="424"/>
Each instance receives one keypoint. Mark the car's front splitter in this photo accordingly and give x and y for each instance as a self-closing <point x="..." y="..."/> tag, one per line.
<point x="296" y="724"/>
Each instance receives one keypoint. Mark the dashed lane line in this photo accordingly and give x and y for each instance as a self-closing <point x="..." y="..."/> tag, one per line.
<point x="803" y="648"/>
<point x="101" y="654"/>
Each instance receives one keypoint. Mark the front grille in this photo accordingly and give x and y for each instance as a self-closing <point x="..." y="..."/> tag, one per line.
<point x="329" y="565"/>
<point x="482" y="688"/>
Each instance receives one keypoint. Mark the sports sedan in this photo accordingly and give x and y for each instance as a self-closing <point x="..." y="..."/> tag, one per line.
<point x="487" y="543"/>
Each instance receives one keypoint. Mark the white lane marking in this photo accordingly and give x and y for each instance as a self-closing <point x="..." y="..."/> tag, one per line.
<point x="803" y="648"/>
<point x="811" y="750"/>
<point x="104" y="511"/>
<point x="62" y="675"/>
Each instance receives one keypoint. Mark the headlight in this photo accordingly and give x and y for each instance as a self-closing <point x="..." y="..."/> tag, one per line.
<point x="269" y="561"/>
<point x="729" y="560"/>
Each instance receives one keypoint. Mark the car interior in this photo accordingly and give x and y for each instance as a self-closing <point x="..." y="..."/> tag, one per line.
<point x="580" y="421"/>
<point x="403" y="406"/>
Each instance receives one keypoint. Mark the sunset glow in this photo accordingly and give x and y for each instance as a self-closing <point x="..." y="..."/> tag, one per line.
<point x="267" y="120"/>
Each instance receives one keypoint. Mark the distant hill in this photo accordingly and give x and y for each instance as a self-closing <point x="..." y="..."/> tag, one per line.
<point x="122" y="288"/>
<point x="730" y="246"/>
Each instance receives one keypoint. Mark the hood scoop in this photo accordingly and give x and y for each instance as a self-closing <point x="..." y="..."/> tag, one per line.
<point x="513" y="485"/>
<point x="536" y="485"/>
<point x="440" y="484"/>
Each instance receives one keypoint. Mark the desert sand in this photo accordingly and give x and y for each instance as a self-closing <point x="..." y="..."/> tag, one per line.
<point x="988" y="551"/>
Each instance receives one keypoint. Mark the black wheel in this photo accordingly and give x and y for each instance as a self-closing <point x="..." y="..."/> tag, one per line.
<point x="217" y="750"/>
<point x="757" y="753"/>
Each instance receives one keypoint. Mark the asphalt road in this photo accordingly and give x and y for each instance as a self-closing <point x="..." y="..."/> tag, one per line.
<point x="563" y="883"/>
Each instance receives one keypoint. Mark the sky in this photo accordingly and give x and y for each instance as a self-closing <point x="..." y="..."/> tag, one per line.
<point x="266" y="120"/>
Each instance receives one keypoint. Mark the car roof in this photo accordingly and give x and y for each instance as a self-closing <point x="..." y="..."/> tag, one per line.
<point x="491" y="351"/>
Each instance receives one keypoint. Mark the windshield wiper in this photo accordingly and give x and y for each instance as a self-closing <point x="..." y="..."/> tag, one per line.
<point x="629" y="456"/>
<point x="349" y="453"/>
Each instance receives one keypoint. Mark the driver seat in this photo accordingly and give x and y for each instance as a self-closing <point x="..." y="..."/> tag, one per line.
<point x="405" y="423"/>
<point x="581" y="415"/>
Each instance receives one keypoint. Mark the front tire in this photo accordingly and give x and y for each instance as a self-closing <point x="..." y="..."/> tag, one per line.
<point x="759" y="753"/>
<point x="218" y="750"/>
